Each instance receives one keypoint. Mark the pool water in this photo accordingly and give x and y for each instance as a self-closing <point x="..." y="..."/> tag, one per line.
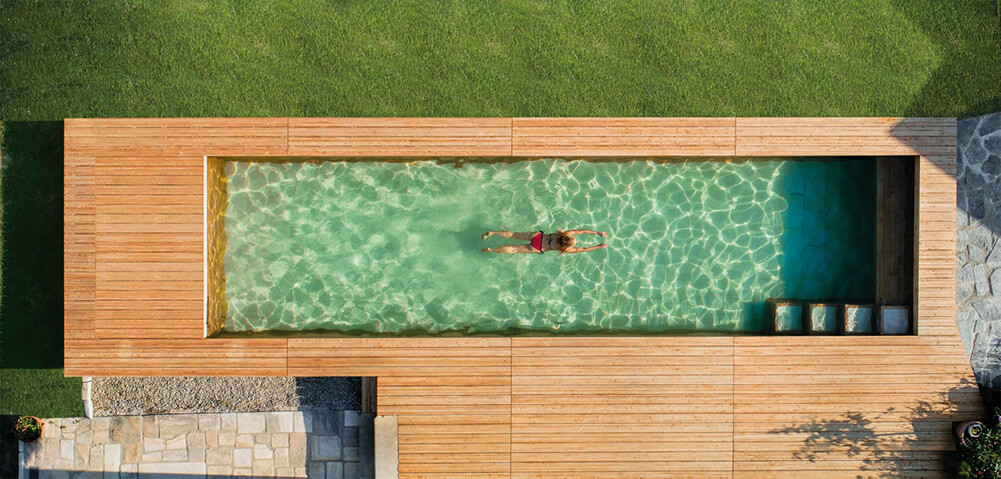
<point x="389" y="247"/>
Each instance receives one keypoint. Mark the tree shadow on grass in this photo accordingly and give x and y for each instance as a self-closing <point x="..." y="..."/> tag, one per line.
<point x="31" y="280"/>
<point x="876" y="441"/>
<point x="31" y="305"/>
<point x="960" y="86"/>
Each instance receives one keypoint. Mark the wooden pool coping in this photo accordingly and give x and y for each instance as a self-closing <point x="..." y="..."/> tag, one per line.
<point x="531" y="406"/>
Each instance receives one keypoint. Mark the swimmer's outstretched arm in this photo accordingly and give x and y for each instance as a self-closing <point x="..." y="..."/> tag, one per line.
<point x="574" y="249"/>
<point x="590" y="232"/>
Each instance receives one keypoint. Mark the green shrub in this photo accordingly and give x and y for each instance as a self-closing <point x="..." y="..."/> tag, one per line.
<point x="980" y="457"/>
<point x="27" y="428"/>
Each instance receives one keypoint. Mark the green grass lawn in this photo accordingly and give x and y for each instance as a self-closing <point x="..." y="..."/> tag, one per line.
<point x="435" y="58"/>
<point x="490" y="58"/>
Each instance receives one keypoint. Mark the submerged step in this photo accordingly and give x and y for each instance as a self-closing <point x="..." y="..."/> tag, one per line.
<point x="823" y="318"/>
<point x="859" y="318"/>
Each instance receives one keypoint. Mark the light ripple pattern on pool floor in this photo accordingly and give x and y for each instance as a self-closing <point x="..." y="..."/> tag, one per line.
<point x="387" y="247"/>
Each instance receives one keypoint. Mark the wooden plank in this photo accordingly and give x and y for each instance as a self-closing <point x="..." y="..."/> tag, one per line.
<point x="645" y="342"/>
<point x="607" y="137"/>
<point x="845" y="136"/>
<point x="251" y="344"/>
<point x="154" y="371"/>
<point x="621" y="474"/>
<point x="935" y="246"/>
<point x="333" y="344"/>
<point x="843" y="122"/>
<point x="158" y="137"/>
<point x="644" y="467"/>
<point x="595" y="122"/>
<point x="407" y="137"/>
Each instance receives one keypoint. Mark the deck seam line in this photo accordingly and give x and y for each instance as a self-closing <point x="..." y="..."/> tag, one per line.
<point x="734" y="136"/>
<point x="510" y="137"/>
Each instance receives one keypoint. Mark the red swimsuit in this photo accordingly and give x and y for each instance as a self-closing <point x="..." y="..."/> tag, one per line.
<point x="537" y="242"/>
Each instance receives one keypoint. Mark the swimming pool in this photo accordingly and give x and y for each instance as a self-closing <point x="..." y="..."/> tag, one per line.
<point x="394" y="248"/>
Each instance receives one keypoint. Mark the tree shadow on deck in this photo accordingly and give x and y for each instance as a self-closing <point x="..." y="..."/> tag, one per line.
<point x="872" y="440"/>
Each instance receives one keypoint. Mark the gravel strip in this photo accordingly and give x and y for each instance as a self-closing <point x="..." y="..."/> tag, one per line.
<point x="119" y="396"/>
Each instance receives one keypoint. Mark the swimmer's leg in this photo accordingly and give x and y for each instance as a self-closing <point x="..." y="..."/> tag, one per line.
<point x="512" y="249"/>
<point x="523" y="236"/>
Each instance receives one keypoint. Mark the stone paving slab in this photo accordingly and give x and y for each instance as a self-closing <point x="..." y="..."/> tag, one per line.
<point x="315" y="444"/>
<point x="978" y="255"/>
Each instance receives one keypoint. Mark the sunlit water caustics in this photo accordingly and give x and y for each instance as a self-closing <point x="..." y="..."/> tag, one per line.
<point x="383" y="247"/>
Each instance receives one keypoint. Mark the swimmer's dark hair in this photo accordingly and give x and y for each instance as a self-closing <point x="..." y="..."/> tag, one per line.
<point x="563" y="241"/>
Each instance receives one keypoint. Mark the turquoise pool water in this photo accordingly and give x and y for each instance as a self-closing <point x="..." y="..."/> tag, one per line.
<point x="385" y="247"/>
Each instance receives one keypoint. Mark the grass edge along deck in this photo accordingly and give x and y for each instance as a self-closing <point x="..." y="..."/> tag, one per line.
<point x="531" y="407"/>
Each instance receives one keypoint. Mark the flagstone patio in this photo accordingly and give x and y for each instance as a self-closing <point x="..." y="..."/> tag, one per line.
<point x="315" y="444"/>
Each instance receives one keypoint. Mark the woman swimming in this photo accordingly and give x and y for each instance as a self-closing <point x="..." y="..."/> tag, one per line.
<point x="539" y="242"/>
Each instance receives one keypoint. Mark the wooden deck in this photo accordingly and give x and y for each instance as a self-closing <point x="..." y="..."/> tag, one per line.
<point x="539" y="406"/>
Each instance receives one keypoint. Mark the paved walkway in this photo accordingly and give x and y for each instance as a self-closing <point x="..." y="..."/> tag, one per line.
<point x="322" y="444"/>
<point x="978" y="255"/>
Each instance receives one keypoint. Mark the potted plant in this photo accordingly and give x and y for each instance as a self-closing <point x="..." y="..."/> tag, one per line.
<point x="28" y="428"/>
<point x="968" y="430"/>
